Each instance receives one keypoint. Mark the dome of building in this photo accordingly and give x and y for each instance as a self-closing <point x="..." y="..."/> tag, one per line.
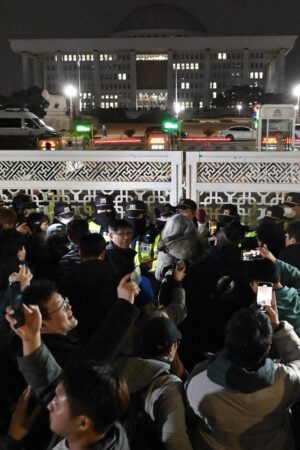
<point x="160" y="20"/>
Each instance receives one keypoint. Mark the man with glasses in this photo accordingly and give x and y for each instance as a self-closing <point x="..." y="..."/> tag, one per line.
<point x="118" y="252"/>
<point x="291" y="253"/>
<point x="59" y="323"/>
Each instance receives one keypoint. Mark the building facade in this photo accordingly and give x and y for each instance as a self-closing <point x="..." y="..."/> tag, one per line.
<point x="171" y="60"/>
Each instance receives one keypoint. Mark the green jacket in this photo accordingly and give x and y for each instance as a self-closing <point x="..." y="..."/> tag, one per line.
<point x="288" y="297"/>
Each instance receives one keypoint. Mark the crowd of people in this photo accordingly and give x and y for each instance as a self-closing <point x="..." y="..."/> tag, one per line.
<point x="145" y="333"/>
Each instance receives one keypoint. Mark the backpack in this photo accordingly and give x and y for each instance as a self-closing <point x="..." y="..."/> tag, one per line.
<point x="139" y="427"/>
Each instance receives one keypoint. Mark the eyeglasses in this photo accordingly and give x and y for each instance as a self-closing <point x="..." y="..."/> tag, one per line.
<point x="65" y="302"/>
<point x="124" y="233"/>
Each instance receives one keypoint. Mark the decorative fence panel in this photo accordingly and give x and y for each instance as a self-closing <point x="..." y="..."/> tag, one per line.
<point x="251" y="180"/>
<point x="78" y="177"/>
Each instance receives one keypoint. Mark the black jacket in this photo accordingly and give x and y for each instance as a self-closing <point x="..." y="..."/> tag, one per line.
<point x="121" y="260"/>
<point x="92" y="291"/>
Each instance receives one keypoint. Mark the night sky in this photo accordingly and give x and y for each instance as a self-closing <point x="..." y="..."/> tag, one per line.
<point x="95" y="18"/>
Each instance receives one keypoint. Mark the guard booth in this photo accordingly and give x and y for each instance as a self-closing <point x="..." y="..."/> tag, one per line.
<point x="275" y="127"/>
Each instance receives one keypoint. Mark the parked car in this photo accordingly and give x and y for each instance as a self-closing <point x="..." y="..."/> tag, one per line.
<point x="297" y="131"/>
<point x="238" y="133"/>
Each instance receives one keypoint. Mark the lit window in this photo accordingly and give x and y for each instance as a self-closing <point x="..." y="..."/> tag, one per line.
<point x="192" y="66"/>
<point x="214" y="95"/>
<point x="213" y="85"/>
<point x="261" y="75"/>
<point x="185" y="85"/>
<point x="196" y="66"/>
<point x="200" y="104"/>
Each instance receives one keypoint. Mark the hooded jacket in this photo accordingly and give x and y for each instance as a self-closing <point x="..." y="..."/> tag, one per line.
<point x="163" y="398"/>
<point x="238" y="409"/>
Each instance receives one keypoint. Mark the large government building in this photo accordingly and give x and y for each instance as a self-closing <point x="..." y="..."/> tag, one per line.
<point x="158" y="55"/>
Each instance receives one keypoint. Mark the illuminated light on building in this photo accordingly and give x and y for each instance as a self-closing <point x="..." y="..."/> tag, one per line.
<point x="154" y="51"/>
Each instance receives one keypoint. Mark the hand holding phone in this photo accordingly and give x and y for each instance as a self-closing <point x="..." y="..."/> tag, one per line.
<point x="264" y="293"/>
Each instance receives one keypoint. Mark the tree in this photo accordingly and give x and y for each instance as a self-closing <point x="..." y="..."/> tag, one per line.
<point x="31" y="99"/>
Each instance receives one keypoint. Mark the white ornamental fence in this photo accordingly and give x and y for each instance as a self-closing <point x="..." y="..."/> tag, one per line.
<point x="77" y="177"/>
<point x="251" y="180"/>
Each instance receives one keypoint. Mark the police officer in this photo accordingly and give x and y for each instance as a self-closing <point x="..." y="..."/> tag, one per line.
<point x="188" y="208"/>
<point x="23" y="206"/>
<point x="162" y="213"/>
<point x="228" y="215"/>
<point x="104" y="214"/>
<point x="143" y="234"/>
<point x="292" y="205"/>
<point x="63" y="214"/>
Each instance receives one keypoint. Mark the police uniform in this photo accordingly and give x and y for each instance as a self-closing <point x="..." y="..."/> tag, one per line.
<point x="104" y="213"/>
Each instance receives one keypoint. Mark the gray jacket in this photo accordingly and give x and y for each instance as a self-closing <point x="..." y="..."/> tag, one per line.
<point x="163" y="398"/>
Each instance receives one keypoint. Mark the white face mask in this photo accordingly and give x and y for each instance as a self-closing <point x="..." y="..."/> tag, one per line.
<point x="65" y="221"/>
<point x="289" y="212"/>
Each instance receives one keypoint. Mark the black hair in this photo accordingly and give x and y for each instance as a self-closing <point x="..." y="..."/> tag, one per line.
<point x="11" y="241"/>
<point x="229" y="235"/>
<point x="92" y="245"/>
<point x="293" y="230"/>
<point x="39" y="293"/>
<point x="18" y="200"/>
<point x="119" y="224"/>
<point x="248" y="337"/>
<point x="96" y="392"/>
<point x="262" y="269"/>
<point x="77" y="228"/>
<point x="272" y="234"/>
<point x="35" y="220"/>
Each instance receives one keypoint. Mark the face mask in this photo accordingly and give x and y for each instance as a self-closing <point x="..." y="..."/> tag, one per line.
<point x="289" y="212"/>
<point x="139" y="226"/>
<point x="160" y="224"/>
<point x="65" y="221"/>
<point x="103" y="219"/>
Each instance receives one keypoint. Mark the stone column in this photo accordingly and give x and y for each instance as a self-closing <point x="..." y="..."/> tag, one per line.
<point x="206" y="91"/>
<point x="280" y="71"/>
<point x="60" y="73"/>
<point x="36" y="71"/>
<point x="170" y="80"/>
<point x="25" y="70"/>
<point x="133" y="85"/>
<point x="246" y="67"/>
<point x="96" y="78"/>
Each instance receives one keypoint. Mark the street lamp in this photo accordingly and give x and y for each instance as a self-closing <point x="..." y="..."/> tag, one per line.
<point x="296" y="92"/>
<point x="239" y="108"/>
<point x="70" y="91"/>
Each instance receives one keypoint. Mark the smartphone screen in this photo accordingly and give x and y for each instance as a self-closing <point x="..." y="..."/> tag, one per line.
<point x="249" y="255"/>
<point x="264" y="293"/>
<point x="212" y="227"/>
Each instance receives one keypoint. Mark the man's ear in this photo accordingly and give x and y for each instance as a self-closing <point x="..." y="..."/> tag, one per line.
<point x="44" y="327"/>
<point x="84" y="423"/>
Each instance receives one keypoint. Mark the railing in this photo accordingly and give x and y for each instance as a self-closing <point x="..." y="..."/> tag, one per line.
<point x="251" y="180"/>
<point x="77" y="177"/>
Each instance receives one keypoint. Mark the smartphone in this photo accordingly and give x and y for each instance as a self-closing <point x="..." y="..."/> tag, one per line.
<point x="136" y="276"/>
<point x="264" y="293"/>
<point x="17" y="304"/>
<point x="212" y="227"/>
<point x="249" y="255"/>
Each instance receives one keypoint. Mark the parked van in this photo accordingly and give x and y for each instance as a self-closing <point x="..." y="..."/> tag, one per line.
<point x="20" y="128"/>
